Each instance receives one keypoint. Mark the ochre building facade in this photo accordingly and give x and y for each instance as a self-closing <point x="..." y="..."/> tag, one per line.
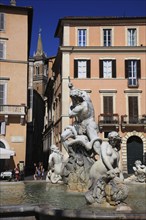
<point x="105" y="56"/>
<point x="15" y="35"/>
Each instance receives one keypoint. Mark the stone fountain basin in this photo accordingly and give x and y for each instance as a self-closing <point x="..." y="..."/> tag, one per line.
<point x="32" y="200"/>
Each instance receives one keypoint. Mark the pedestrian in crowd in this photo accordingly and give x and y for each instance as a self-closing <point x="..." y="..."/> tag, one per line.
<point x="17" y="173"/>
<point x="35" y="171"/>
<point x="38" y="171"/>
<point x="41" y="170"/>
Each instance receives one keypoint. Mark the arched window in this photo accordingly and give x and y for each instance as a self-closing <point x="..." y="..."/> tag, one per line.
<point x="37" y="70"/>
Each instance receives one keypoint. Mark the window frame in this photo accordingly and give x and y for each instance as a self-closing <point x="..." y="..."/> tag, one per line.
<point x="131" y="42"/>
<point x="88" y="68"/>
<point x="101" y="68"/>
<point x="83" y="41"/>
<point x="132" y="73"/>
<point x="133" y="108"/>
<point x="4" y="98"/>
<point x="3" y="43"/>
<point x="104" y="93"/>
<point x="37" y="70"/>
<point x="2" y="23"/>
<point x="105" y="40"/>
<point x="130" y="93"/>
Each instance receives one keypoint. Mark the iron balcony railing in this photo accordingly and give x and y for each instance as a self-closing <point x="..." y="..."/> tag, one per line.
<point x="134" y="120"/>
<point x="108" y="119"/>
<point x="12" y="109"/>
<point x="133" y="82"/>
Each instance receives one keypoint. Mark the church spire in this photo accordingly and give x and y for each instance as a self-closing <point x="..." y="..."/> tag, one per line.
<point x="39" y="52"/>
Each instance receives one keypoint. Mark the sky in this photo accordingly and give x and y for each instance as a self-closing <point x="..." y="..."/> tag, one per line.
<point x="46" y="14"/>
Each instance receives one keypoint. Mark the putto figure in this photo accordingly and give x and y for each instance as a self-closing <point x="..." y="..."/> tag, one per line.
<point x="140" y="171"/>
<point x="55" y="165"/>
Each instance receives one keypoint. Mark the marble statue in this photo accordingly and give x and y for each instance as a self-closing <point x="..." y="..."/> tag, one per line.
<point x="106" y="178"/>
<point x="140" y="171"/>
<point x="56" y="163"/>
<point x="93" y="164"/>
<point x="80" y="139"/>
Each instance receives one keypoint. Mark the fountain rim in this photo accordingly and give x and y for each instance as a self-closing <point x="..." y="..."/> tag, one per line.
<point x="51" y="212"/>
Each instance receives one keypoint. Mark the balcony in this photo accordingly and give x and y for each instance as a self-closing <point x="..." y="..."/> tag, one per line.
<point x="133" y="83"/>
<point x="13" y="110"/>
<point x="137" y="123"/>
<point x="108" y="122"/>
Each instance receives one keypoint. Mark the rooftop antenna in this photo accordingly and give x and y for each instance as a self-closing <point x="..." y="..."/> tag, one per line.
<point x="13" y="2"/>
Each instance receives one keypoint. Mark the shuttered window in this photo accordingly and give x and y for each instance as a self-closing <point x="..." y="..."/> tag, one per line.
<point x="2" y="21"/>
<point x="108" y="104"/>
<point x="81" y="68"/>
<point x="132" y="71"/>
<point x="133" y="109"/>
<point x="107" y="68"/>
<point x="2" y="50"/>
<point x="108" y="108"/>
<point x="3" y="88"/>
<point x="2" y="94"/>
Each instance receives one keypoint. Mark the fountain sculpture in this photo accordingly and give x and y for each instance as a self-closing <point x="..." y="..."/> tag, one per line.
<point x="140" y="171"/>
<point x="93" y="165"/>
<point x="88" y="184"/>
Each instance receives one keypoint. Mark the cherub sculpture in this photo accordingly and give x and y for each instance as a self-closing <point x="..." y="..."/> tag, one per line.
<point x="56" y="164"/>
<point x="140" y="171"/>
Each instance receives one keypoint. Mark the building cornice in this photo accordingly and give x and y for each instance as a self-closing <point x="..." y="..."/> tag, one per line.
<point x="98" y="21"/>
<point x="14" y="61"/>
<point x="71" y="49"/>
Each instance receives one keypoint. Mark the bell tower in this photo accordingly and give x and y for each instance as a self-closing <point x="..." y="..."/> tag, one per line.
<point x="40" y="68"/>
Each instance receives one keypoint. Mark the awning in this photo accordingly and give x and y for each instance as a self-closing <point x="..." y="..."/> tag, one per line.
<point x="6" y="153"/>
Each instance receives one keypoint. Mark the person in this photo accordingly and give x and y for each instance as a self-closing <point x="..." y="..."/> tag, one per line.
<point x="41" y="170"/>
<point x="38" y="171"/>
<point x="35" y="172"/>
<point x="17" y="173"/>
